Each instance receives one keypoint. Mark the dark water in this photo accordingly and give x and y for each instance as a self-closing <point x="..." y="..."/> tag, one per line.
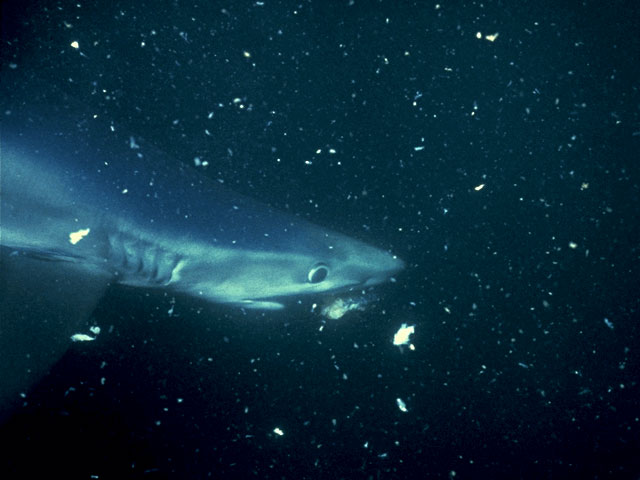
<point x="524" y="294"/>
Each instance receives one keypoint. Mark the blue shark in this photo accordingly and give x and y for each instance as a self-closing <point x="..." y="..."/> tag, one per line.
<point x="84" y="206"/>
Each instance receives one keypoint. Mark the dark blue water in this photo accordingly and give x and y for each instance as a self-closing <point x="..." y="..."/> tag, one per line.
<point x="523" y="293"/>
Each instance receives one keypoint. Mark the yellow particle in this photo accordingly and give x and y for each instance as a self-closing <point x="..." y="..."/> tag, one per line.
<point x="492" y="38"/>
<point x="573" y="245"/>
<point x="75" y="45"/>
<point x="246" y="54"/>
<point x="75" y="237"/>
<point x="584" y="185"/>
<point x="479" y="187"/>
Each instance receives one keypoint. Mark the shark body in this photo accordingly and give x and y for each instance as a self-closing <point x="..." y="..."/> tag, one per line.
<point x="84" y="206"/>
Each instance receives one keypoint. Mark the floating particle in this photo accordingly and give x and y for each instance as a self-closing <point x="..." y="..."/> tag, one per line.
<point x="339" y="307"/>
<point x="401" y="405"/>
<point x="405" y="331"/>
<point x="75" y="237"/>
<point x="81" y="337"/>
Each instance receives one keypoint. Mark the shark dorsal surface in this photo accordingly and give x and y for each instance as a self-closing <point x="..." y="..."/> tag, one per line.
<point x="84" y="205"/>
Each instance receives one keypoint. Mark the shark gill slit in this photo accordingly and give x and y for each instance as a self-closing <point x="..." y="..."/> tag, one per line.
<point x="137" y="261"/>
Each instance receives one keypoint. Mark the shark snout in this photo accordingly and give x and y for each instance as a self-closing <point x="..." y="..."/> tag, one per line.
<point x="385" y="269"/>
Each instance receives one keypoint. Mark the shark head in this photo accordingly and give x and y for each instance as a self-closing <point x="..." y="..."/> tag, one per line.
<point x="304" y="261"/>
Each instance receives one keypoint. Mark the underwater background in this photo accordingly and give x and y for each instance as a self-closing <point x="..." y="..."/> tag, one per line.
<point x="492" y="146"/>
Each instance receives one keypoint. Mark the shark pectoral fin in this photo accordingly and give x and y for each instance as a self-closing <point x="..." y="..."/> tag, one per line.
<point x="260" y="305"/>
<point x="42" y="305"/>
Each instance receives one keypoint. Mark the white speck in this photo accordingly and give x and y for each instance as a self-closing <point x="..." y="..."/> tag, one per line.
<point x="417" y="149"/>
<point x="479" y="187"/>
<point x="81" y="337"/>
<point x="125" y="191"/>
<point x="608" y="323"/>
<point x="75" y="237"/>
<point x="75" y="45"/>
<point x="401" y="337"/>
<point x="523" y="365"/>
<point x="95" y="330"/>
<point x="401" y="405"/>
<point x="278" y="431"/>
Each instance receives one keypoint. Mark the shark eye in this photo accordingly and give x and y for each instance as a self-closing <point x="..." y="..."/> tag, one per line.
<point x="318" y="273"/>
